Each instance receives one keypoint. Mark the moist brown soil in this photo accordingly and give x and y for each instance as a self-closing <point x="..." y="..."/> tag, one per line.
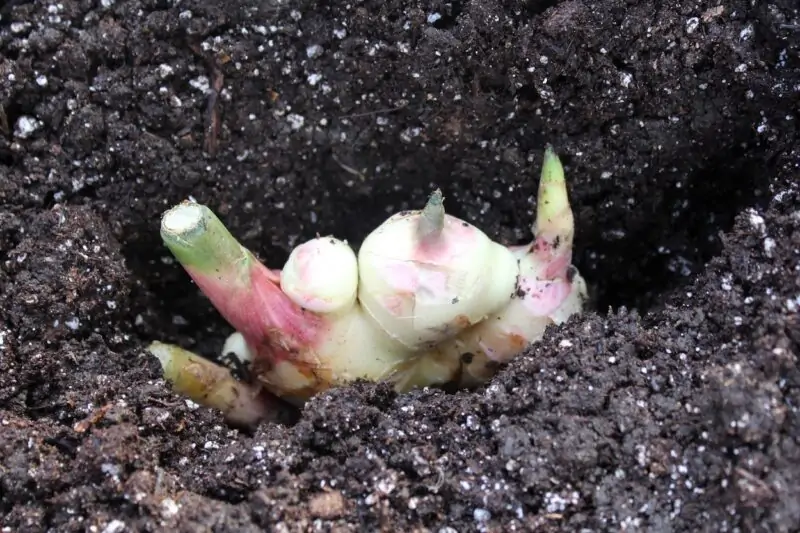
<point x="671" y="406"/>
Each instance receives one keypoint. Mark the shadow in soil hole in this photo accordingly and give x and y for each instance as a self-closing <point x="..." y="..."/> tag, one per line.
<point x="668" y="239"/>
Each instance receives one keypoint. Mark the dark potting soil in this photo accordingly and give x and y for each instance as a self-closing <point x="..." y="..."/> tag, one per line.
<point x="672" y="405"/>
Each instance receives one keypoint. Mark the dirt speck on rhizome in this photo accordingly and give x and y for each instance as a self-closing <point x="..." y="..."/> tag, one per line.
<point x="671" y="406"/>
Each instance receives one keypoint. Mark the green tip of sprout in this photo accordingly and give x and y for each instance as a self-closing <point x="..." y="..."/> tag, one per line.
<point x="552" y="169"/>
<point x="553" y="213"/>
<point x="431" y="223"/>
<point x="212" y="385"/>
<point x="198" y="239"/>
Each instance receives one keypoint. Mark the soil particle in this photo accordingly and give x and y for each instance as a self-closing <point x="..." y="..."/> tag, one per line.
<point x="670" y="406"/>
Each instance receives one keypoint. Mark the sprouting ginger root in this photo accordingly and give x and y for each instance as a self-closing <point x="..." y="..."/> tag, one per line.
<point x="429" y="299"/>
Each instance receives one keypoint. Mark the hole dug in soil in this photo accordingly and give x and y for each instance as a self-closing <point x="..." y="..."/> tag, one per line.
<point x="663" y="244"/>
<point x="668" y="239"/>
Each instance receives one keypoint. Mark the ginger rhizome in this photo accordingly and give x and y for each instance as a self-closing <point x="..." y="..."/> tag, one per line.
<point x="428" y="299"/>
